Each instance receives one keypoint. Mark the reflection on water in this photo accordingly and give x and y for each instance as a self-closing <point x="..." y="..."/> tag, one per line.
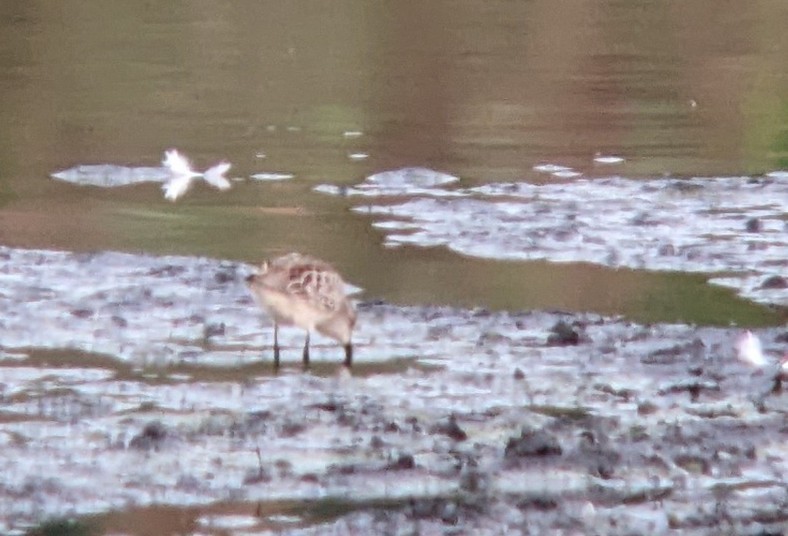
<point x="484" y="91"/>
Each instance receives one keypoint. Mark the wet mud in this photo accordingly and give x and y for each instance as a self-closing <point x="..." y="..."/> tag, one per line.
<point x="140" y="387"/>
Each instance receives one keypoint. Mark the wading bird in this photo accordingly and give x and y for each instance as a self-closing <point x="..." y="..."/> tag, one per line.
<point x="299" y="290"/>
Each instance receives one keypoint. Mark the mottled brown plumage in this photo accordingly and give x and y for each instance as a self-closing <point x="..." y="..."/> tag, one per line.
<point x="300" y="290"/>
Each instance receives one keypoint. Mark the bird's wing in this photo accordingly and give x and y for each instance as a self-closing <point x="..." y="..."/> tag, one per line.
<point x="318" y="286"/>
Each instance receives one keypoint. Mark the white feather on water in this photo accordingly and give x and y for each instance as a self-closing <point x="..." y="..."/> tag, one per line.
<point x="176" y="174"/>
<point x="182" y="175"/>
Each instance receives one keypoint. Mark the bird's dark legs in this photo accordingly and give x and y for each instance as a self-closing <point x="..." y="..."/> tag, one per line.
<point x="348" y="355"/>
<point x="276" y="347"/>
<point x="306" y="351"/>
<point x="348" y="351"/>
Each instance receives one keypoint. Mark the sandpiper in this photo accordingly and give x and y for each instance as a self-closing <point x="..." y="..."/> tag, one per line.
<point x="300" y="290"/>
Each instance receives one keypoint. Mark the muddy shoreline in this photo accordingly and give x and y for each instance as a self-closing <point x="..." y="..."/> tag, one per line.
<point x="136" y="384"/>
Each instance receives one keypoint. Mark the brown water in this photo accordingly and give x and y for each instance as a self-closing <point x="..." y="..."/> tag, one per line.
<point x="482" y="90"/>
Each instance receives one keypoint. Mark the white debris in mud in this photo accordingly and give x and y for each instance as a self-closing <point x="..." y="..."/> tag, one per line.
<point x="749" y="350"/>
<point x="100" y="443"/>
<point x="732" y="225"/>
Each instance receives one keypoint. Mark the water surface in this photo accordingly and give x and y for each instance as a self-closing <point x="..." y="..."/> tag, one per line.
<point x="482" y="90"/>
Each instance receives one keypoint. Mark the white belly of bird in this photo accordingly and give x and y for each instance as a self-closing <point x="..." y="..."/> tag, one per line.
<point x="287" y="310"/>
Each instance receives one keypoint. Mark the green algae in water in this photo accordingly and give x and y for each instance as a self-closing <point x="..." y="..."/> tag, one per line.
<point x="64" y="527"/>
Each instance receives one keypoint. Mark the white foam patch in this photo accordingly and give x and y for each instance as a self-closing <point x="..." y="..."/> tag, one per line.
<point x="405" y="181"/>
<point x="109" y="175"/>
<point x="566" y="174"/>
<point x="413" y="176"/>
<point x="710" y="225"/>
<point x="779" y="174"/>
<point x="550" y="168"/>
<point x="271" y="176"/>
<point x="227" y="522"/>
<point x="604" y="159"/>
